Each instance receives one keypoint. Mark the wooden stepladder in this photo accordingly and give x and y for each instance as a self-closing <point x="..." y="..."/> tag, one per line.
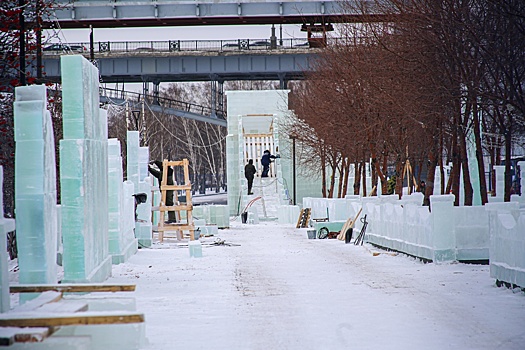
<point x="178" y="207"/>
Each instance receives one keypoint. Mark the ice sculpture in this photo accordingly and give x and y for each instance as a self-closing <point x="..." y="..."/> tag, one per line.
<point x="6" y="225"/>
<point x="248" y="115"/>
<point x="122" y="242"/>
<point x="35" y="186"/>
<point x="137" y="172"/>
<point x="83" y="174"/>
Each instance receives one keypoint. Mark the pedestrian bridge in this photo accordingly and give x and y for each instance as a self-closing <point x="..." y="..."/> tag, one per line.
<point x="149" y="13"/>
<point x="195" y="60"/>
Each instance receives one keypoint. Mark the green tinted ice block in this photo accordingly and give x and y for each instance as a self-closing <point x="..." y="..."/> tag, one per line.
<point x="35" y="189"/>
<point x="29" y="121"/>
<point x="84" y="174"/>
<point x="80" y="105"/>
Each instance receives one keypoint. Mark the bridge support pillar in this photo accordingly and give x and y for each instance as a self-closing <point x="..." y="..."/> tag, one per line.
<point x="283" y="82"/>
<point x="217" y="96"/>
<point x="156" y="91"/>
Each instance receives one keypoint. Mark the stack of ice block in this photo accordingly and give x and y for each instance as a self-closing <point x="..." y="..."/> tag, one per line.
<point x="499" y="171"/>
<point x="137" y="171"/>
<point x="233" y="169"/>
<point x="122" y="242"/>
<point x="84" y="174"/>
<point x="6" y="225"/>
<point x="213" y="215"/>
<point x="35" y="186"/>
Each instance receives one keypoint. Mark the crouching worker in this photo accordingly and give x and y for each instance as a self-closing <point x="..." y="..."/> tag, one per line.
<point x="169" y="194"/>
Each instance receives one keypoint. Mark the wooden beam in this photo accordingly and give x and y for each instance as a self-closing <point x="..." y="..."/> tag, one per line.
<point x="71" y="288"/>
<point x="73" y="319"/>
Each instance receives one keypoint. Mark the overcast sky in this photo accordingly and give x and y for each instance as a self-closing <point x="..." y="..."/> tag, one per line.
<point x="180" y="33"/>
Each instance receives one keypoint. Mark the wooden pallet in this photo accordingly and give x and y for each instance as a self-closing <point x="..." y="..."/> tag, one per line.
<point x="304" y="218"/>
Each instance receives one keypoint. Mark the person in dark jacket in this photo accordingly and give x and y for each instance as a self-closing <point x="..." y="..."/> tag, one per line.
<point x="169" y="193"/>
<point x="265" y="162"/>
<point x="249" y="173"/>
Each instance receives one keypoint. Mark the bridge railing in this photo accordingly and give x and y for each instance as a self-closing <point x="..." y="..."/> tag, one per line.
<point x="198" y="45"/>
<point x="136" y="97"/>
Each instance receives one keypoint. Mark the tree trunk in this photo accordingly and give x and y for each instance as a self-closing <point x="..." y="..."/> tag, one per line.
<point x="399" y="178"/>
<point x="357" y="178"/>
<point x="345" y="182"/>
<point x="323" y="175"/>
<point x="341" y="177"/>
<point x="384" y="180"/>
<point x="364" y="177"/>
<point x="508" y="158"/>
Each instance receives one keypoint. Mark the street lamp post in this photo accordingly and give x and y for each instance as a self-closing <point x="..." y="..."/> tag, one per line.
<point x="293" y="168"/>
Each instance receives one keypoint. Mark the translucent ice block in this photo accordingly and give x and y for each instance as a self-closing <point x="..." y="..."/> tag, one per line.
<point x="84" y="174"/>
<point x="35" y="186"/>
<point x="6" y="225"/>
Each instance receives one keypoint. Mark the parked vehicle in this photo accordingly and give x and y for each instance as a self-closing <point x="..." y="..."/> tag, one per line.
<point x="65" y="48"/>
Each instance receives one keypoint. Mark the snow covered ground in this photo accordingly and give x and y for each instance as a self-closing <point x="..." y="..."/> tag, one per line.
<point x="280" y="290"/>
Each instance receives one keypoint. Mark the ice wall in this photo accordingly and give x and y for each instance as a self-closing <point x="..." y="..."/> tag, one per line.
<point x="84" y="174"/>
<point x="213" y="215"/>
<point x="122" y="242"/>
<point x="6" y="225"/>
<point x="35" y="186"/>
<point x="507" y="242"/>
<point x="447" y="233"/>
<point x="137" y="172"/>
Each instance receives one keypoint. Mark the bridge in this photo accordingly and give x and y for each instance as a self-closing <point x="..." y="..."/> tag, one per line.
<point x="148" y="13"/>
<point x="163" y="105"/>
<point x="195" y="60"/>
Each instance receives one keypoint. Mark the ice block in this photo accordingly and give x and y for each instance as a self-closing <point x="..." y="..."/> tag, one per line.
<point x="84" y="174"/>
<point x="35" y="186"/>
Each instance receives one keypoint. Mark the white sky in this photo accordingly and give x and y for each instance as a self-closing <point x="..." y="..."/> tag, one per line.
<point x="181" y="33"/>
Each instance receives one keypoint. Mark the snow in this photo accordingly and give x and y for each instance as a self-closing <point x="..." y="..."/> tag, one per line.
<point x="280" y="290"/>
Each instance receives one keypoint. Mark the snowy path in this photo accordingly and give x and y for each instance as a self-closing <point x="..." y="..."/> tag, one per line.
<point x="279" y="290"/>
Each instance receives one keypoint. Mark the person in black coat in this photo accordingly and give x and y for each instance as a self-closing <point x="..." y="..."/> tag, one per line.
<point x="265" y="162"/>
<point x="169" y="193"/>
<point x="249" y="173"/>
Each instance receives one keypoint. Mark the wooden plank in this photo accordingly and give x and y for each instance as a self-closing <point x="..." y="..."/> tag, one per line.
<point x="71" y="288"/>
<point x="70" y="319"/>
<point x="175" y="207"/>
<point x="299" y="219"/>
<point x="173" y="227"/>
<point x="350" y="223"/>
<point x="176" y="187"/>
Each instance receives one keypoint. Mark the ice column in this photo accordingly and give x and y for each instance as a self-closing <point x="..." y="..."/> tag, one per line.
<point x="137" y="166"/>
<point x="83" y="174"/>
<point x="35" y="186"/>
<point x="122" y="242"/>
<point x="444" y="242"/>
<point x="499" y="171"/>
<point x="234" y="171"/>
<point x="6" y="225"/>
